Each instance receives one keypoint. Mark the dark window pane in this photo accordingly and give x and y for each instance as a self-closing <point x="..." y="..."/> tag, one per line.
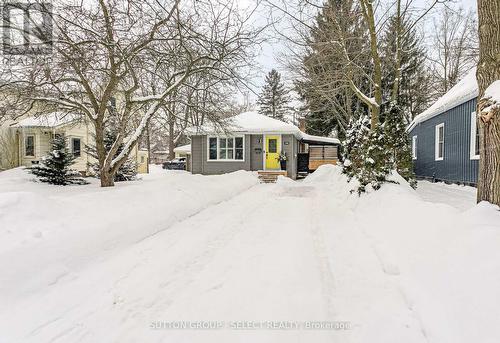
<point x="230" y="154"/>
<point x="239" y="154"/>
<point x="76" y="147"/>
<point x="477" y="141"/>
<point x="222" y="154"/>
<point x="273" y="145"/>
<point x="222" y="143"/>
<point x="213" y="148"/>
<point x="440" y="154"/>
<point x="230" y="143"/>
<point x="30" y="146"/>
<point x="238" y="142"/>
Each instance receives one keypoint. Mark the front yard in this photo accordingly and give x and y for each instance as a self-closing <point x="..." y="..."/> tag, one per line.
<point x="86" y="264"/>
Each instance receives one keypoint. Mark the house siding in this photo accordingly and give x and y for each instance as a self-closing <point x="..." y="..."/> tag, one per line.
<point x="253" y="156"/>
<point x="456" y="166"/>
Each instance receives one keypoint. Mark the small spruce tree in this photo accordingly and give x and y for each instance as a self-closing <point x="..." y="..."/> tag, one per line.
<point x="55" y="167"/>
<point x="273" y="101"/>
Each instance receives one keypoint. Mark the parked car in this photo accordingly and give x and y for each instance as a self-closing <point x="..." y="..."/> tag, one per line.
<point x="175" y="164"/>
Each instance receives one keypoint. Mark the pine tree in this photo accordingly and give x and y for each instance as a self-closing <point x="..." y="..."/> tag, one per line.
<point x="126" y="172"/>
<point x="329" y="103"/>
<point x="274" y="99"/>
<point x="55" y="167"/>
<point x="415" y="82"/>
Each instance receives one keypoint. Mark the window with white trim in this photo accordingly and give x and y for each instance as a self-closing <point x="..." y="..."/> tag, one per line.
<point x="474" y="137"/>
<point x="226" y="148"/>
<point x="439" y="143"/>
<point x="414" y="147"/>
<point x="29" y="146"/>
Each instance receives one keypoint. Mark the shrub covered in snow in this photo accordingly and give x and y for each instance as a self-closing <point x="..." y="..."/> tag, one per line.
<point x="371" y="155"/>
<point x="55" y="167"/>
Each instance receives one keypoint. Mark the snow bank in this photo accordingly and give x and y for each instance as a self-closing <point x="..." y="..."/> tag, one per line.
<point x="435" y="261"/>
<point x="49" y="232"/>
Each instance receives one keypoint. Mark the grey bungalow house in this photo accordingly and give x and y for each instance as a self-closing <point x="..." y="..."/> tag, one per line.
<point x="445" y="138"/>
<point x="255" y="142"/>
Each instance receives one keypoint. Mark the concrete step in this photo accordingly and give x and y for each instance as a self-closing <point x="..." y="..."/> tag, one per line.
<point x="268" y="176"/>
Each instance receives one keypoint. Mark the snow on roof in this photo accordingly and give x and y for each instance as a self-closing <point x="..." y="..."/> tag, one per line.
<point x="307" y="137"/>
<point x="183" y="149"/>
<point x="53" y="119"/>
<point x="254" y="122"/>
<point x="462" y="92"/>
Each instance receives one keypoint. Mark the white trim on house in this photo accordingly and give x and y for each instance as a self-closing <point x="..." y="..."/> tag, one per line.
<point x="473" y="137"/>
<point x="414" y="141"/>
<point x="218" y="148"/>
<point x="264" y="148"/>
<point x="438" y="142"/>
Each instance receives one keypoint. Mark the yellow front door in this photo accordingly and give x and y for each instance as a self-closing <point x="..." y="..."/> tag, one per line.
<point x="273" y="149"/>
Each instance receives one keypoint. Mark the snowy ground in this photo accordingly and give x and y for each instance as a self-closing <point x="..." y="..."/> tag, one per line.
<point x="84" y="264"/>
<point x="460" y="197"/>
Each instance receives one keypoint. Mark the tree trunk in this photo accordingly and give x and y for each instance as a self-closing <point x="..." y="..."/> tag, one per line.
<point x="397" y="76"/>
<point x="107" y="180"/>
<point x="377" y="64"/>
<point x="488" y="71"/>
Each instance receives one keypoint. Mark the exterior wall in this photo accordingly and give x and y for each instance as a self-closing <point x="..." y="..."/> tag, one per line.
<point x="289" y="146"/>
<point x="43" y="141"/>
<point x="457" y="165"/>
<point x="253" y="156"/>
<point x="142" y="161"/>
<point x="256" y="157"/>
<point x="200" y="165"/>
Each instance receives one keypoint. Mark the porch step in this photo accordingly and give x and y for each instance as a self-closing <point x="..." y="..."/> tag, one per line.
<point x="266" y="176"/>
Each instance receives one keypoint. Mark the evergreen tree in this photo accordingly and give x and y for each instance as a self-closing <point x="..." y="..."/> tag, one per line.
<point x="126" y="172"/>
<point x="398" y="144"/>
<point x="330" y="104"/>
<point x="55" y="167"/>
<point x="366" y="155"/>
<point x="415" y="82"/>
<point x="274" y="99"/>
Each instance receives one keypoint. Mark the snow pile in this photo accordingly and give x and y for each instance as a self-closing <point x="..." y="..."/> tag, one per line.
<point x="86" y="264"/>
<point x="431" y="266"/>
<point x="463" y="91"/>
<point x="48" y="232"/>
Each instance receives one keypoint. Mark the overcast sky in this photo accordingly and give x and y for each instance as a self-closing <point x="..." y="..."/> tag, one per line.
<point x="269" y="52"/>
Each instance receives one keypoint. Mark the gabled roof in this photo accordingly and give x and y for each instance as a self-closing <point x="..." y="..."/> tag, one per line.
<point x="50" y="120"/>
<point x="462" y="92"/>
<point x="255" y="123"/>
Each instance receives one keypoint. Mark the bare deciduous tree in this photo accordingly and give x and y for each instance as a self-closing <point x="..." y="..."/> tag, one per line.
<point x="454" y="49"/>
<point x="106" y="51"/>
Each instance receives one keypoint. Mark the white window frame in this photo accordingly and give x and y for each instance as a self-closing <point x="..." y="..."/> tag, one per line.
<point x="414" y="141"/>
<point x="218" y="150"/>
<point x="34" y="145"/>
<point x="436" y="143"/>
<point x="473" y="128"/>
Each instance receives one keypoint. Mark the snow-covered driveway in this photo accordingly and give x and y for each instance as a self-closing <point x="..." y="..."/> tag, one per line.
<point x="291" y="254"/>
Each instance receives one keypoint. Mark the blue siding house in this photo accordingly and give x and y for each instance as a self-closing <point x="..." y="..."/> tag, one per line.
<point x="445" y="139"/>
